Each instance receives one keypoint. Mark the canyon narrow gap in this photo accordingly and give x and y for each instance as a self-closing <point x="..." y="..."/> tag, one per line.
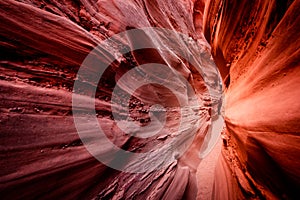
<point x="150" y="99"/>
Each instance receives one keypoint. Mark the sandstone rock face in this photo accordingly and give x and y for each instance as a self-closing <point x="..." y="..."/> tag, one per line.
<point x="44" y="45"/>
<point x="254" y="44"/>
<point x="256" y="47"/>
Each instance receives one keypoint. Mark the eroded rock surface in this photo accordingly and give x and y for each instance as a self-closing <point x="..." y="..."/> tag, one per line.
<point x="44" y="44"/>
<point x="255" y="46"/>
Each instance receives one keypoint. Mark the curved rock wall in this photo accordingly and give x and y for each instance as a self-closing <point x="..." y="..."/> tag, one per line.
<point x="256" y="47"/>
<point x="43" y="44"/>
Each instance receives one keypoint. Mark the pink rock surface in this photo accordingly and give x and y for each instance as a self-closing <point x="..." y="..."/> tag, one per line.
<point x="255" y="46"/>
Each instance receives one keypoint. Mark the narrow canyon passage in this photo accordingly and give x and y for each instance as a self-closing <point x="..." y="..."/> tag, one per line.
<point x="150" y="99"/>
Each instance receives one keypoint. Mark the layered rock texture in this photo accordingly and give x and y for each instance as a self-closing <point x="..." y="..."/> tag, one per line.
<point x="255" y="45"/>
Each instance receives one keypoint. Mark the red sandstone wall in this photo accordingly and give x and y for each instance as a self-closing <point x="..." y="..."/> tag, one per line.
<point x="256" y="46"/>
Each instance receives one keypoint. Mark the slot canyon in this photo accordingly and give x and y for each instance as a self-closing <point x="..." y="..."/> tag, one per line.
<point x="150" y="99"/>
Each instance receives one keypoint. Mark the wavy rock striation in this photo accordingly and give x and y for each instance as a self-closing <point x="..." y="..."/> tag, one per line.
<point x="44" y="44"/>
<point x="255" y="46"/>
